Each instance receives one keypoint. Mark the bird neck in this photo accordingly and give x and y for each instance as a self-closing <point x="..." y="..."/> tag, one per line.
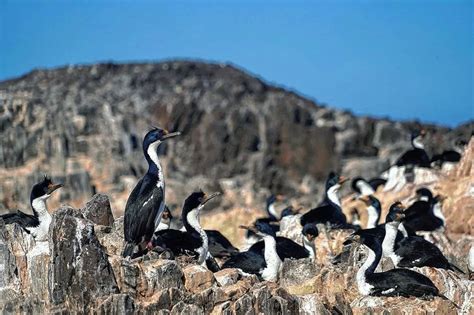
<point x="368" y="268"/>
<point x="388" y="244"/>
<point x="192" y="225"/>
<point x="438" y="213"/>
<point x="154" y="166"/>
<point x="374" y="217"/>
<point x="417" y="144"/>
<point x="309" y="247"/>
<point x="403" y="230"/>
<point x="39" y="207"/>
<point x="272" y="259"/>
<point x="365" y="188"/>
<point x="272" y="211"/>
<point x="332" y="197"/>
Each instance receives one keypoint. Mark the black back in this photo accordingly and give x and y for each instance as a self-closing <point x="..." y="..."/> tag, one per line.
<point x="285" y="247"/>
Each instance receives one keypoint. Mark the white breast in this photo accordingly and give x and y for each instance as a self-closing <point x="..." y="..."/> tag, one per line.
<point x="364" y="287"/>
<point x="373" y="217"/>
<point x="270" y="273"/>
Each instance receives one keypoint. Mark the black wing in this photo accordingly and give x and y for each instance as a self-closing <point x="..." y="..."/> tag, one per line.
<point x="414" y="157"/>
<point x="249" y="262"/>
<point x="23" y="219"/>
<point x="404" y="282"/>
<point x="324" y="214"/>
<point x="179" y="242"/>
<point x="219" y="245"/>
<point x="285" y="247"/>
<point x="418" y="252"/>
<point x="143" y="206"/>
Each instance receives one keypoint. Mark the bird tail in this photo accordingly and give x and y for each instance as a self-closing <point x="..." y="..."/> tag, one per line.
<point x="128" y="250"/>
<point x="456" y="268"/>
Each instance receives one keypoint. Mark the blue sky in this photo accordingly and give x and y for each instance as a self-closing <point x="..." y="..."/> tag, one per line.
<point x="397" y="59"/>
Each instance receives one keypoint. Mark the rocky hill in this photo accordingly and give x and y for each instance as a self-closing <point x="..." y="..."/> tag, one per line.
<point x="84" y="126"/>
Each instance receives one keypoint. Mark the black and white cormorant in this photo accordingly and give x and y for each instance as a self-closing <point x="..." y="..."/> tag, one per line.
<point x="165" y="222"/>
<point x="394" y="282"/>
<point x="194" y="241"/>
<point x="417" y="156"/>
<point x="374" y="209"/>
<point x="331" y="212"/>
<point x="409" y="251"/>
<point x="272" y="218"/>
<point x="287" y="248"/>
<point x="38" y="223"/>
<point x="424" y="214"/>
<point x="267" y="264"/>
<point x="146" y="203"/>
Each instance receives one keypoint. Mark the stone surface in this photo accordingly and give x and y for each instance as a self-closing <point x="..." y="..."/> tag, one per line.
<point x="98" y="210"/>
<point x="197" y="278"/>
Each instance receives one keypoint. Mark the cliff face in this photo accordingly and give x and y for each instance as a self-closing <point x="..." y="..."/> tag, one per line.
<point x="84" y="125"/>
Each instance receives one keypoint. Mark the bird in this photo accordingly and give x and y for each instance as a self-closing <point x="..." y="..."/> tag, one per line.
<point x="146" y="203"/>
<point x="330" y="213"/>
<point x="289" y="249"/>
<point x="193" y="241"/>
<point x="37" y="224"/>
<point x="410" y="251"/>
<point x="265" y="265"/>
<point x="425" y="213"/>
<point x="394" y="282"/>
<point x="416" y="156"/>
<point x="272" y="218"/>
<point x="374" y="209"/>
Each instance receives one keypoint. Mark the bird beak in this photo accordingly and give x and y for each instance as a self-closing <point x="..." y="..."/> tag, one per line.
<point x="310" y="237"/>
<point x="209" y="197"/>
<point x="53" y="187"/>
<point x="170" y="135"/>
<point x="343" y="179"/>
<point x="399" y="216"/>
<point x="250" y="228"/>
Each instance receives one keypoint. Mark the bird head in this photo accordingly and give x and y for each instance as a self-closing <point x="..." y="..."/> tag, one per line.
<point x="157" y="135"/>
<point x="424" y="194"/>
<point x="395" y="213"/>
<point x="44" y="189"/>
<point x="310" y="231"/>
<point x="335" y="180"/>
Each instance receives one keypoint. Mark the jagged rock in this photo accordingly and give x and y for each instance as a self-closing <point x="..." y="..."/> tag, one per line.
<point x="98" y="210"/>
<point x="197" y="278"/>
<point x="227" y="277"/>
<point x="294" y="273"/>
<point x="116" y="304"/>
<point x="79" y="271"/>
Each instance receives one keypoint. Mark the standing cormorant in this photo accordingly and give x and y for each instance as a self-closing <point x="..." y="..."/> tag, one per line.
<point x="38" y="223"/>
<point x="146" y="203"/>
<point x="417" y="156"/>
<point x="267" y="264"/>
<point x="425" y="213"/>
<point x="331" y="212"/>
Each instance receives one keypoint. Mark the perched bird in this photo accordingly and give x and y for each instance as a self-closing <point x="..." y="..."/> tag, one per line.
<point x="272" y="218"/>
<point x="193" y="241"/>
<point x="417" y="156"/>
<point x="287" y="248"/>
<point x="410" y="251"/>
<point x="330" y="213"/>
<point x="395" y="282"/>
<point x="267" y="264"/>
<point x="424" y="214"/>
<point x="38" y="223"/>
<point x="146" y="203"/>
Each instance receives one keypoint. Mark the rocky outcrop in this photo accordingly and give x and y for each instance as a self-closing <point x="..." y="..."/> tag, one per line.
<point x="84" y="125"/>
